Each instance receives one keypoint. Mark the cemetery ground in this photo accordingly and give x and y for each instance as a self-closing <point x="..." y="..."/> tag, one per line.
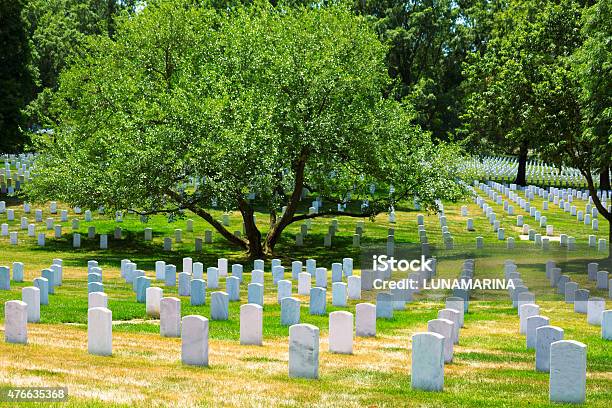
<point x="491" y="366"/>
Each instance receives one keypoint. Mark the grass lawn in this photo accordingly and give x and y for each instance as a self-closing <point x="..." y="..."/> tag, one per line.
<point x="491" y="366"/>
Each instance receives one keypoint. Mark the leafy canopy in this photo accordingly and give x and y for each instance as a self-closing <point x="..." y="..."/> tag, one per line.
<point x="254" y="99"/>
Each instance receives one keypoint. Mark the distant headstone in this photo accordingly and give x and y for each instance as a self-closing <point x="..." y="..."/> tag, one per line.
<point x="153" y="304"/>
<point x="278" y="273"/>
<point x="581" y="297"/>
<point x="31" y="297"/>
<point x="142" y="284"/>
<point x="384" y="305"/>
<point x="290" y="311"/>
<point x="160" y="270"/>
<point x="170" y="275"/>
<point x="304" y="283"/>
<point x="321" y="277"/>
<point x="197" y="292"/>
<point x="595" y="309"/>
<point x="365" y="320"/>
<point x="339" y="294"/>
<point x="5" y="278"/>
<point x="341" y="332"/>
<point x="184" y="284"/>
<point x="525" y="312"/>
<point x="445" y="328"/>
<point x="453" y="316"/>
<point x="317" y="301"/>
<point x="222" y="266"/>
<point x="296" y="269"/>
<point x="43" y="285"/>
<point x="283" y="289"/>
<point x="237" y="270"/>
<point x="232" y="287"/>
<point x="533" y="323"/>
<point x="255" y="293"/>
<point x="354" y="287"/>
<point x="212" y="277"/>
<point x="606" y="325"/>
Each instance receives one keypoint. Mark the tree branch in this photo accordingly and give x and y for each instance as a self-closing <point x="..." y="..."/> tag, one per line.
<point x="209" y="218"/>
<point x="602" y="210"/>
<point x="153" y="212"/>
<point x="335" y="212"/>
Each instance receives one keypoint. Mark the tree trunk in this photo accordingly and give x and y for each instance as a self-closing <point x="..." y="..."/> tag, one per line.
<point x="255" y="248"/>
<point x="521" y="174"/>
<point x="277" y="228"/>
<point x="610" y="243"/>
<point x="602" y="210"/>
<point x="201" y="212"/>
<point x="604" y="179"/>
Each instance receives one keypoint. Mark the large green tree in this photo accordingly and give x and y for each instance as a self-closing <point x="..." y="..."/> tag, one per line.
<point x="252" y="100"/>
<point x="576" y="100"/>
<point x="503" y="105"/>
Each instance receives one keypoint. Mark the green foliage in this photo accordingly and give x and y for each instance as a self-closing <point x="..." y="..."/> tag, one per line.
<point x="57" y="30"/>
<point x="592" y="71"/>
<point x="429" y="40"/>
<point x="579" y="117"/>
<point x="15" y="79"/>
<point x="507" y="85"/>
<point x="255" y="99"/>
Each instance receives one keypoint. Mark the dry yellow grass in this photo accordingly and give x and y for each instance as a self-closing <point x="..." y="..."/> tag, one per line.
<point x="145" y="369"/>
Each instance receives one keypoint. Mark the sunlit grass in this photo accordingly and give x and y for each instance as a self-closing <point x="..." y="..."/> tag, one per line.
<point x="491" y="366"/>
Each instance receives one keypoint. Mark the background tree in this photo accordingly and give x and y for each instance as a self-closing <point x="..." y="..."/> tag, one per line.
<point x="16" y="83"/>
<point x="428" y="43"/>
<point x="504" y="93"/>
<point x="577" y="105"/>
<point x="252" y="100"/>
<point x="57" y="29"/>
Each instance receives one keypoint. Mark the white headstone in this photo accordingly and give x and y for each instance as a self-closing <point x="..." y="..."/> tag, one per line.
<point x="365" y="320"/>
<point x="303" y="351"/>
<point x="427" y="361"/>
<point x="568" y="372"/>
<point x="31" y="297"/>
<point x="16" y="322"/>
<point x="97" y="299"/>
<point x="154" y="296"/>
<point x="445" y="328"/>
<point x="100" y="331"/>
<point x="170" y="317"/>
<point x="545" y="336"/>
<point x="341" y="332"/>
<point x="251" y="324"/>
<point x="194" y="340"/>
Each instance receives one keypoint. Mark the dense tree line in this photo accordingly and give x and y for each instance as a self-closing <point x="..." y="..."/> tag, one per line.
<point x="38" y="39"/>
<point x="482" y="71"/>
